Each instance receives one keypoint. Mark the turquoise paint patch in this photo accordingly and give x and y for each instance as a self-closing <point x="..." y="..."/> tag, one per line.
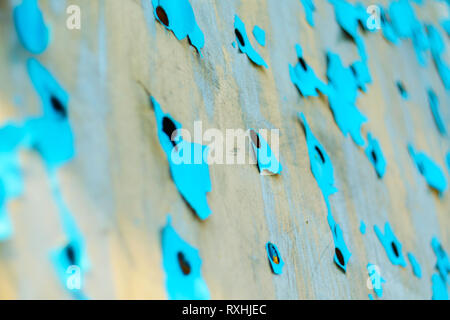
<point x="182" y="266"/>
<point x="304" y="78"/>
<point x="439" y="288"/>
<point x="434" y="106"/>
<point x="178" y="17"/>
<point x="72" y="257"/>
<point x="429" y="170"/>
<point x="371" y="296"/>
<point x="391" y="245"/>
<point x="442" y="263"/>
<point x="50" y="134"/>
<point x="244" y="43"/>
<point x="401" y="88"/>
<point x="322" y="170"/>
<point x="342" y="94"/>
<point x="376" y="279"/>
<point x="362" y="227"/>
<point x="437" y="48"/>
<point x="417" y="270"/>
<point x="30" y="26"/>
<point x="448" y="161"/>
<point x="407" y="26"/>
<point x="267" y="161"/>
<point x="362" y="75"/>
<point x="387" y="28"/>
<point x="309" y="7"/>
<point x="375" y="155"/>
<point x="348" y="17"/>
<point x="274" y="256"/>
<point x="187" y="162"/>
<point x="260" y="35"/>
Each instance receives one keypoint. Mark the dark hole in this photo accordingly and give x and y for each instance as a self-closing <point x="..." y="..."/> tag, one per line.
<point x="239" y="37"/>
<point x="273" y="254"/>
<point x="162" y="16"/>
<point x="58" y="106"/>
<point x="303" y="63"/>
<point x="320" y="154"/>
<point x="70" y="254"/>
<point x="339" y="256"/>
<point x="169" y="128"/>
<point x="394" y="248"/>
<point x="255" y="139"/>
<point x="374" y="156"/>
<point x="401" y="88"/>
<point x="184" y="265"/>
<point x="352" y="68"/>
<point x="383" y="17"/>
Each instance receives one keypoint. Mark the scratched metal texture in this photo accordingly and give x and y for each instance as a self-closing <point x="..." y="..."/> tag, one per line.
<point x="119" y="189"/>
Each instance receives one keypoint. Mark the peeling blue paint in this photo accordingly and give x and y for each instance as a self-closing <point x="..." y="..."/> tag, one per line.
<point x="375" y="155"/>
<point x="304" y="78"/>
<point x="342" y="93"/>
<point x="417" y="270"/>
<point x="429" y="170"/>
<point x="322" y="170"/>
<point x="437" y="48"/>
<point x="439" y="288"/>
<point x="348" y="17"/>
<point x="50" y="134"/>
<point x="434" y="106"/>
<point x="178" y="17"/>
<point x="187" y="162"/>
<point x="309" y="7"/>
<point x="376" y="279"/>
<point x="244" y="43"/>
<point x="442" y="263"/>
<point x="362" y="227"/>
<point x="182" y="266"/>
<point x="274" y="256"/>
<point x="267" y="161"/>
<point x="387" y="28"/>
<point x="260" y="35"/>
<point x="30" y="26"/>
<point x="391" y="245"/>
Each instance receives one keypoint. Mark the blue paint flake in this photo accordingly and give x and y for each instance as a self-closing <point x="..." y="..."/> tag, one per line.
<point x="371" y="296"/>
<point x="348" y="17"/>
<point x="322" y="170"/>
<point x="309" y="7"/>
<point x="442" y="263"/>
<point x="362" y="227"/>
<point x="401" y="88"/>
<point x="434" y="106"/>
<point x="268" y="164"/>
<point x="417" y="270"/>
<point x="187" y="162"/>
<point x="274" y="256"/>
<point x="391" y="245"/>
<point x="386" y="27"/>
<point x="437" y="48"/>
<point x="260" y="35"/>
<point x="439" y="288"/>
<point x="429" y="170"/>
<point x="376" y="279"/>
<point x="304" y="78"/>
<point x="178" y="17"/>
<point x="342" y="94"/>
<point x="244" y="43"/>
<point x="30" y="26"/>
<point x="50" y="134"/>
<point x="182" y="266"/>
<point x="375" y="155"/>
